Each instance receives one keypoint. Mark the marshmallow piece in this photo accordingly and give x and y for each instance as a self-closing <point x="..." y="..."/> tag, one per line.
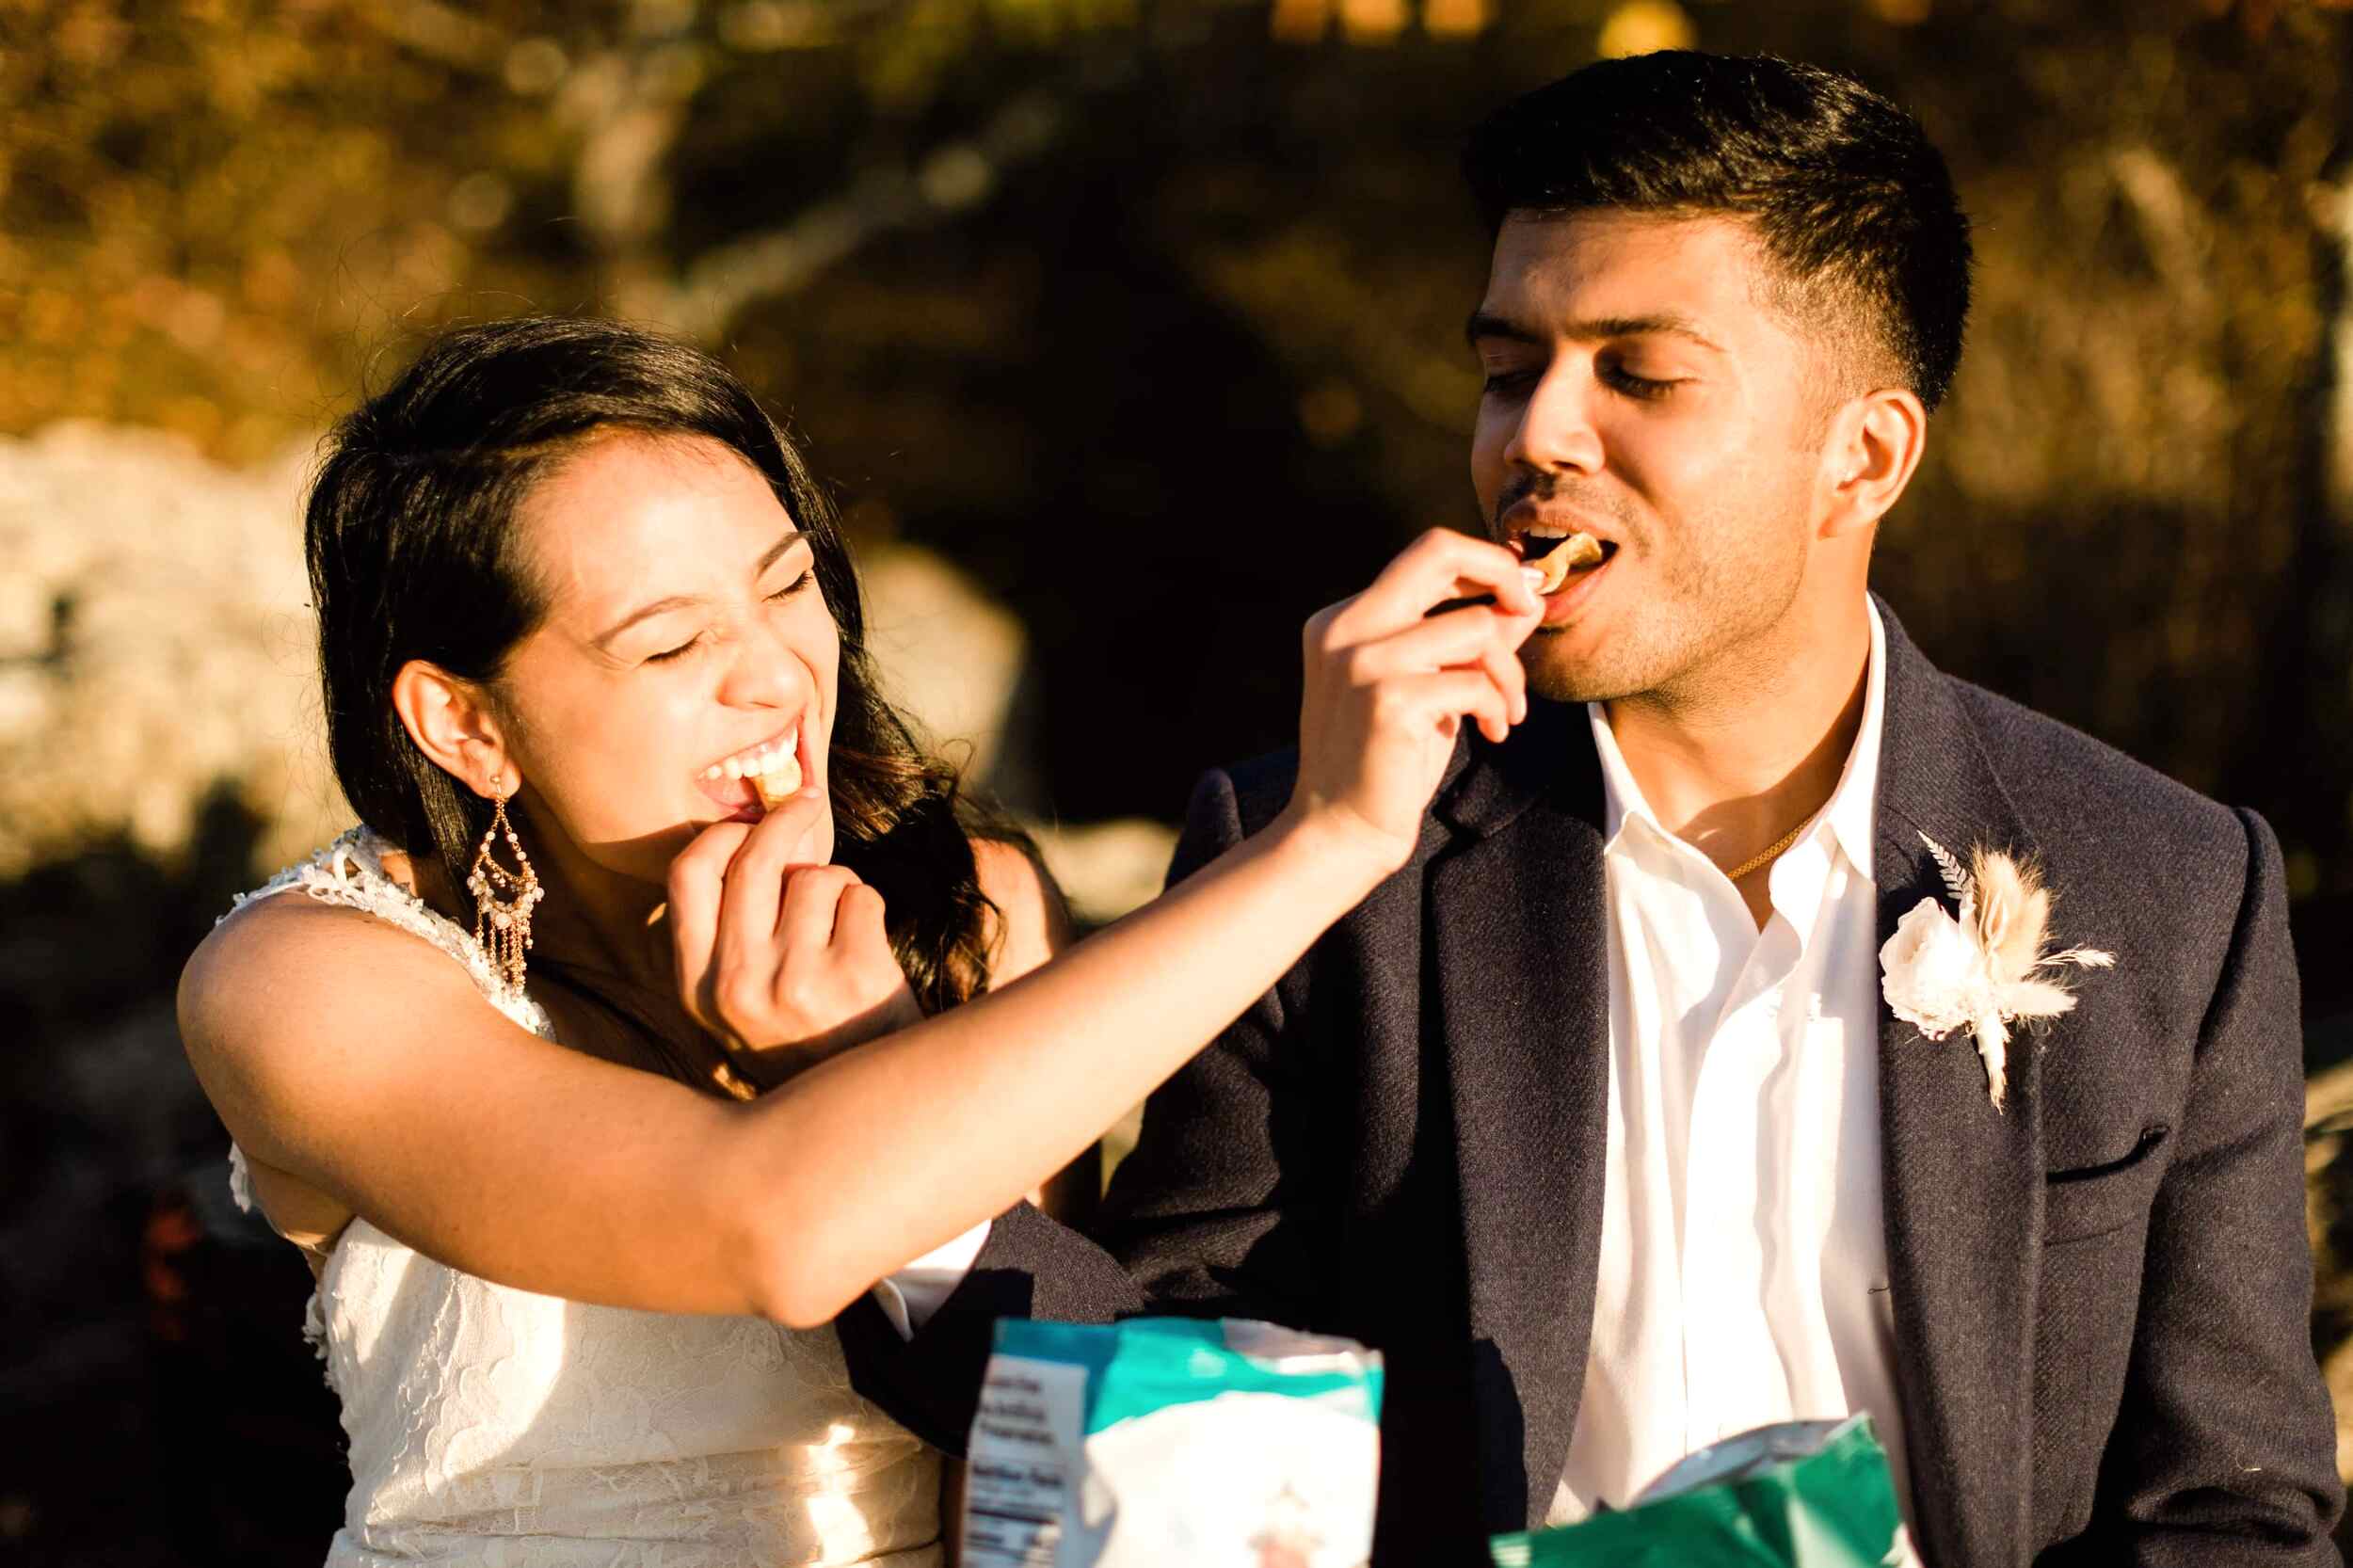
<point x="778" y="781"/>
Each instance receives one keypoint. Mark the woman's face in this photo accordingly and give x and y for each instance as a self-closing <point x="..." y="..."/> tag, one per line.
<point x="684" y="631"/>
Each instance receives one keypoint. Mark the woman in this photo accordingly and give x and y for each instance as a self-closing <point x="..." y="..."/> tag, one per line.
<point x="577" y="1242"/>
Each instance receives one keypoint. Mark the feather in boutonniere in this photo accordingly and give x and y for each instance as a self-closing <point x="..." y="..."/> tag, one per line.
<point x="1988" y="967"/>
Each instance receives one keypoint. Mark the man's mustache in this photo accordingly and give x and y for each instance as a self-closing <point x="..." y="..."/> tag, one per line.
<point x="1552" y="490"/>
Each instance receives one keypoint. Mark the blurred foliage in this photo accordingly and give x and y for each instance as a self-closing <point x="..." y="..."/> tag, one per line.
<point x="1090" y="291"/>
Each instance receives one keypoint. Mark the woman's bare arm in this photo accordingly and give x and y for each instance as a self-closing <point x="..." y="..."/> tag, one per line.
<point x="360" y="1062"/>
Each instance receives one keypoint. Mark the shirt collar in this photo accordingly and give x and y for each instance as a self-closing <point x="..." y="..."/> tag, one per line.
<point x="1852" y="811"/>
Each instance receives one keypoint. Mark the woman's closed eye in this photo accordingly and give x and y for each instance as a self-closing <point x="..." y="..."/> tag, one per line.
<point x="670" y="655"/>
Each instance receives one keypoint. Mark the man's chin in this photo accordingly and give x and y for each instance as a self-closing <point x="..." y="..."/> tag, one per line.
<point x="1558" y="671"/>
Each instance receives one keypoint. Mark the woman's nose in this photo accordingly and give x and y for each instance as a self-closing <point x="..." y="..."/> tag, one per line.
<point x="765" y="672"/>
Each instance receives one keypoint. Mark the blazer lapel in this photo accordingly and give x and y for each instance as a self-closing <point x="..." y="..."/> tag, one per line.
<point x="1962" y="1182"/>
<point x="1522" y="992"/>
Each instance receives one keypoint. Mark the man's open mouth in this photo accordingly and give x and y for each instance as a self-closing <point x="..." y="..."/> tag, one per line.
<point x="1562" y="554"/>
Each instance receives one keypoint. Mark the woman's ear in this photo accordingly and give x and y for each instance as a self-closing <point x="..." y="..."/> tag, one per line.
<point x="452" y="723"/>
<point x="1876" y="442"/>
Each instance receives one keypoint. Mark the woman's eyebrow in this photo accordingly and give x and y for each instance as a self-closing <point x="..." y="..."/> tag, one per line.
<point x="680" y="601"/>
<point x="776" y="551"/>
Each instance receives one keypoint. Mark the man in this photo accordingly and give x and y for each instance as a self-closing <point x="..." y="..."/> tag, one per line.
<point x="1595" y="1118"/>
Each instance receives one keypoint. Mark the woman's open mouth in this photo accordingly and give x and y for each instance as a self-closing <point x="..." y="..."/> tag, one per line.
<point x="757" y="779"/>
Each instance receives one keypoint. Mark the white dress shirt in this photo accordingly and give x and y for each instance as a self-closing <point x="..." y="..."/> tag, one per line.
<point x="909" y="1296"/>
<point x="1743" y="1274"/>
<point x="1743" y="1271"/>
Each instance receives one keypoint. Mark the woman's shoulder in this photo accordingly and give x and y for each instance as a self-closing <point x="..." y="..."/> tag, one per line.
<point x="329" y="937"/>
<point x="289" y="957"/>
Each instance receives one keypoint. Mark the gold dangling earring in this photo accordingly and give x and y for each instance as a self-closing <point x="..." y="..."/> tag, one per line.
<point x="503" y="901"/>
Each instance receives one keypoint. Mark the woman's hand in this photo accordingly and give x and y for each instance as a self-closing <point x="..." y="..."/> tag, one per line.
<point x="784" y="962"/>
<point x="1388" y="685"/>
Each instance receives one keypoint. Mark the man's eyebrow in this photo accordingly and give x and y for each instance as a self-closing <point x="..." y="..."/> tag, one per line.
<point x="1484" y="324"/>
<point x="679" y="602"/>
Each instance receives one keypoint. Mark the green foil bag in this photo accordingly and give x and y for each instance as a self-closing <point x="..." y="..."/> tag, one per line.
<point x="1800" y="1494"/>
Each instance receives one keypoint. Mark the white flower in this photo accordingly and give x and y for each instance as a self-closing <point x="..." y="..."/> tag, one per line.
<point x="1990" y="967"/>
<point x="1936" y="977"/>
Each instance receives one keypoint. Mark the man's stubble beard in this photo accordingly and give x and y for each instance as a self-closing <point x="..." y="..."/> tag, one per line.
<point x="1700" y="632"/>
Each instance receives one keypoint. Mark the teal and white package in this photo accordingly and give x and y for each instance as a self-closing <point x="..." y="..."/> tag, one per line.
<point x="1162" y="1442"/>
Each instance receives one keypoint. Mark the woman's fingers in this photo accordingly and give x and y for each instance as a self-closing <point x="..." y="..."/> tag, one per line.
<point x="1437" y="702"/>
<point x="745" y="954"/>
<point x="805" y="924"/>
<point x="1502" y="666"/>
<point x="723" y="888"/>
<point x="1463" y="636"/>
<point x="860" y="924"/>
<point x="697" y="882"/>
<point x="1439" y="566"/>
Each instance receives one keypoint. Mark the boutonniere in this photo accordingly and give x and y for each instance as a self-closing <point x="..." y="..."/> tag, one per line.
<point x="1987" y="968"/>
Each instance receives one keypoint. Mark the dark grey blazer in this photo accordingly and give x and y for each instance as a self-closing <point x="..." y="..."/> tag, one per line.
<point x="2101" y="1297"/>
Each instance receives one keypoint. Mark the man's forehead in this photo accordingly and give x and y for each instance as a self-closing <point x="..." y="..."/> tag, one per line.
<point x="1610" y="265"/>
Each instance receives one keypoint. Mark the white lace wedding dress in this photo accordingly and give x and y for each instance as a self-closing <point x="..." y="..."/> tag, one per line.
<point x="495" y="1427"/>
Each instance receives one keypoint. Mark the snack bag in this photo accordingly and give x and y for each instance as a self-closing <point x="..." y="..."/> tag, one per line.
<point x="1798" y="1494"/>
<point x="1162" y="1442"/>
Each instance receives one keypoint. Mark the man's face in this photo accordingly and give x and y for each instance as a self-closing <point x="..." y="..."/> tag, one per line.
<point x="1639" y="388"/>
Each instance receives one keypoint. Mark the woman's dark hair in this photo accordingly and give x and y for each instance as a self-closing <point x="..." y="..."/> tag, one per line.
<point x="1850" y="198"/>
<point x="413" y="553"/>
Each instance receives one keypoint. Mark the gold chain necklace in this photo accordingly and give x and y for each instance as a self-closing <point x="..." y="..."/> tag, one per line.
<point x="1773" y="852"/>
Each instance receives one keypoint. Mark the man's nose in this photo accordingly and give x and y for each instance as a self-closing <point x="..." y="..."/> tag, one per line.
<point x="1556" y="431"/>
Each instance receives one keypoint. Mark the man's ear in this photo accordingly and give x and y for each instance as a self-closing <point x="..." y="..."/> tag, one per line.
<point x="452" y="722"/>
<point x="1874" y="442"/>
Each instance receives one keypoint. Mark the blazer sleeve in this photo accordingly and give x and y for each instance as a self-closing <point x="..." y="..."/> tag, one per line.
<point x="1032" y="1266"/>
<point x="2224" y="1452"/>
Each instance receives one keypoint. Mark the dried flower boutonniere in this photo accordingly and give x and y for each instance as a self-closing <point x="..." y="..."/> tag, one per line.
<point x="1987" y="968"/>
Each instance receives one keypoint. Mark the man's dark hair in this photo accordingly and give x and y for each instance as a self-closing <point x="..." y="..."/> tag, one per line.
<point x="1845" y="191"/>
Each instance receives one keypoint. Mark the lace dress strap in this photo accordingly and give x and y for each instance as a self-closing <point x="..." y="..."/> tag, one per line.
<point x="350" y="871"/>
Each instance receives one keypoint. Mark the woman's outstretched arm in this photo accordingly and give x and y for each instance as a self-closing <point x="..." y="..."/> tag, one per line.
<point x="358" y="1061"/>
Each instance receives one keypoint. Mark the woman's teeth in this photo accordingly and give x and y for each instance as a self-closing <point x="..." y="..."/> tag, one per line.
<point x="778" y="781"/>
<point x="774" y="768"/>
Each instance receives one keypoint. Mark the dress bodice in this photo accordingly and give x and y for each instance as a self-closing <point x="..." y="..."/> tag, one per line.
<point x="493" y="1426"/>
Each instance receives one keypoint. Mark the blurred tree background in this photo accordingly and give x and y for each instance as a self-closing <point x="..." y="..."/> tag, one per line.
<point x="1143" y="314"/>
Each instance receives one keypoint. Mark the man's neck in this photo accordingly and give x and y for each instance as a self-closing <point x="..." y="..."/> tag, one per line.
<point x="1732" y="758"/>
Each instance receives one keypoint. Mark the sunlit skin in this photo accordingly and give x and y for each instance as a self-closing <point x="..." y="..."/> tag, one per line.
<point x="682" y="625"/>
<point x="1644" y="382"/>
<point x="533" y="1164"/>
